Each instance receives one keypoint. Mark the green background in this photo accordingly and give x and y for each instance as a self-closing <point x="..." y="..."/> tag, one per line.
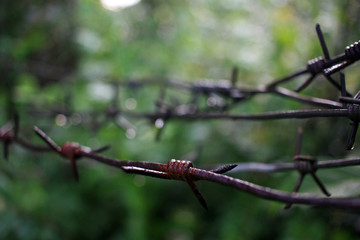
<point x="59" y="56"/>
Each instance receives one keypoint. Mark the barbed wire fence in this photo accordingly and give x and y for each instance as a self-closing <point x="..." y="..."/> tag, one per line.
<point x="221" y="97"/>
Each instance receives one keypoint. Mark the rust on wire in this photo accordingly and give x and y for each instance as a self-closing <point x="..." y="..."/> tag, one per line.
<point x="227" y="94"/>
<point x="177" y="169"/>
<point x="70" y="150"/>
<point x="184" y="170"/>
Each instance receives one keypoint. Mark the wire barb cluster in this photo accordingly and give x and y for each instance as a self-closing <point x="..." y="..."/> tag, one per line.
<point x="225" y="95"/>
<point x="305" y="165"/>
<point x="177" y="169"/>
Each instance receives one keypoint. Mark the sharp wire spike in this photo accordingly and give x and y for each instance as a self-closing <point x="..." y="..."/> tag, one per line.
<point x="351" y="140"/>
<point x="296" y="189"/>
<point x="357" y="95"/>
<point x="101" y="149"/>
<point x="322" y="42"/>
<point x="74" y="168"/>
<point x="305" y="84"/>
<point x="287" y="78"/>
<point x="47" y="139"/>
<point x="197" y="193"/>
<point x="343" y="84"/>
<point x="224" y="169"/>
<point x="320" y="184"/>
<point x="336" y="85"/>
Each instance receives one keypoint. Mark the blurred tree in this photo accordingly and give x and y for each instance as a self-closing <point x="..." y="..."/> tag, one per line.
<point x="37" y="40"/>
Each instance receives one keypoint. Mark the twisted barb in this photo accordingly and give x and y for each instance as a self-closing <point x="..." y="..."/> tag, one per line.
<point x="305" y="165"/>
<point x="177" y="169"/>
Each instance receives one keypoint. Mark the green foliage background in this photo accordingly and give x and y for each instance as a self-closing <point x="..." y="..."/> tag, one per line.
<point x="61" y="54"/>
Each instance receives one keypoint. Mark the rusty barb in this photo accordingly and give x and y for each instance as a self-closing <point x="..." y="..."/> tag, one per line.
<point x="177" y="169"/>
<point x="70" y="150"/>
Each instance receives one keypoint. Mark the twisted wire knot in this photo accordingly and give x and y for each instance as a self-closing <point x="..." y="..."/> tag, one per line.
<point x="316" y="65"/>
<point x="354" y="112"/>
<point x="353" y="51"/>
<point x="178" y="169"/>
<point x="71" y="150"/>
<point x="305" y="164"/>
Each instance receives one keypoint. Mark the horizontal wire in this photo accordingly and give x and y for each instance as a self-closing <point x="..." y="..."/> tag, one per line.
<point x="289" y="114"/>
<point x="277" y="167"/>
<point x="275" y="195"/>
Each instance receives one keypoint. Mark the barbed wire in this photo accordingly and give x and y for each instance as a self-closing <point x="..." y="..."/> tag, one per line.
<point x="345" y="106"/>
<point x="184" y="170"/>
